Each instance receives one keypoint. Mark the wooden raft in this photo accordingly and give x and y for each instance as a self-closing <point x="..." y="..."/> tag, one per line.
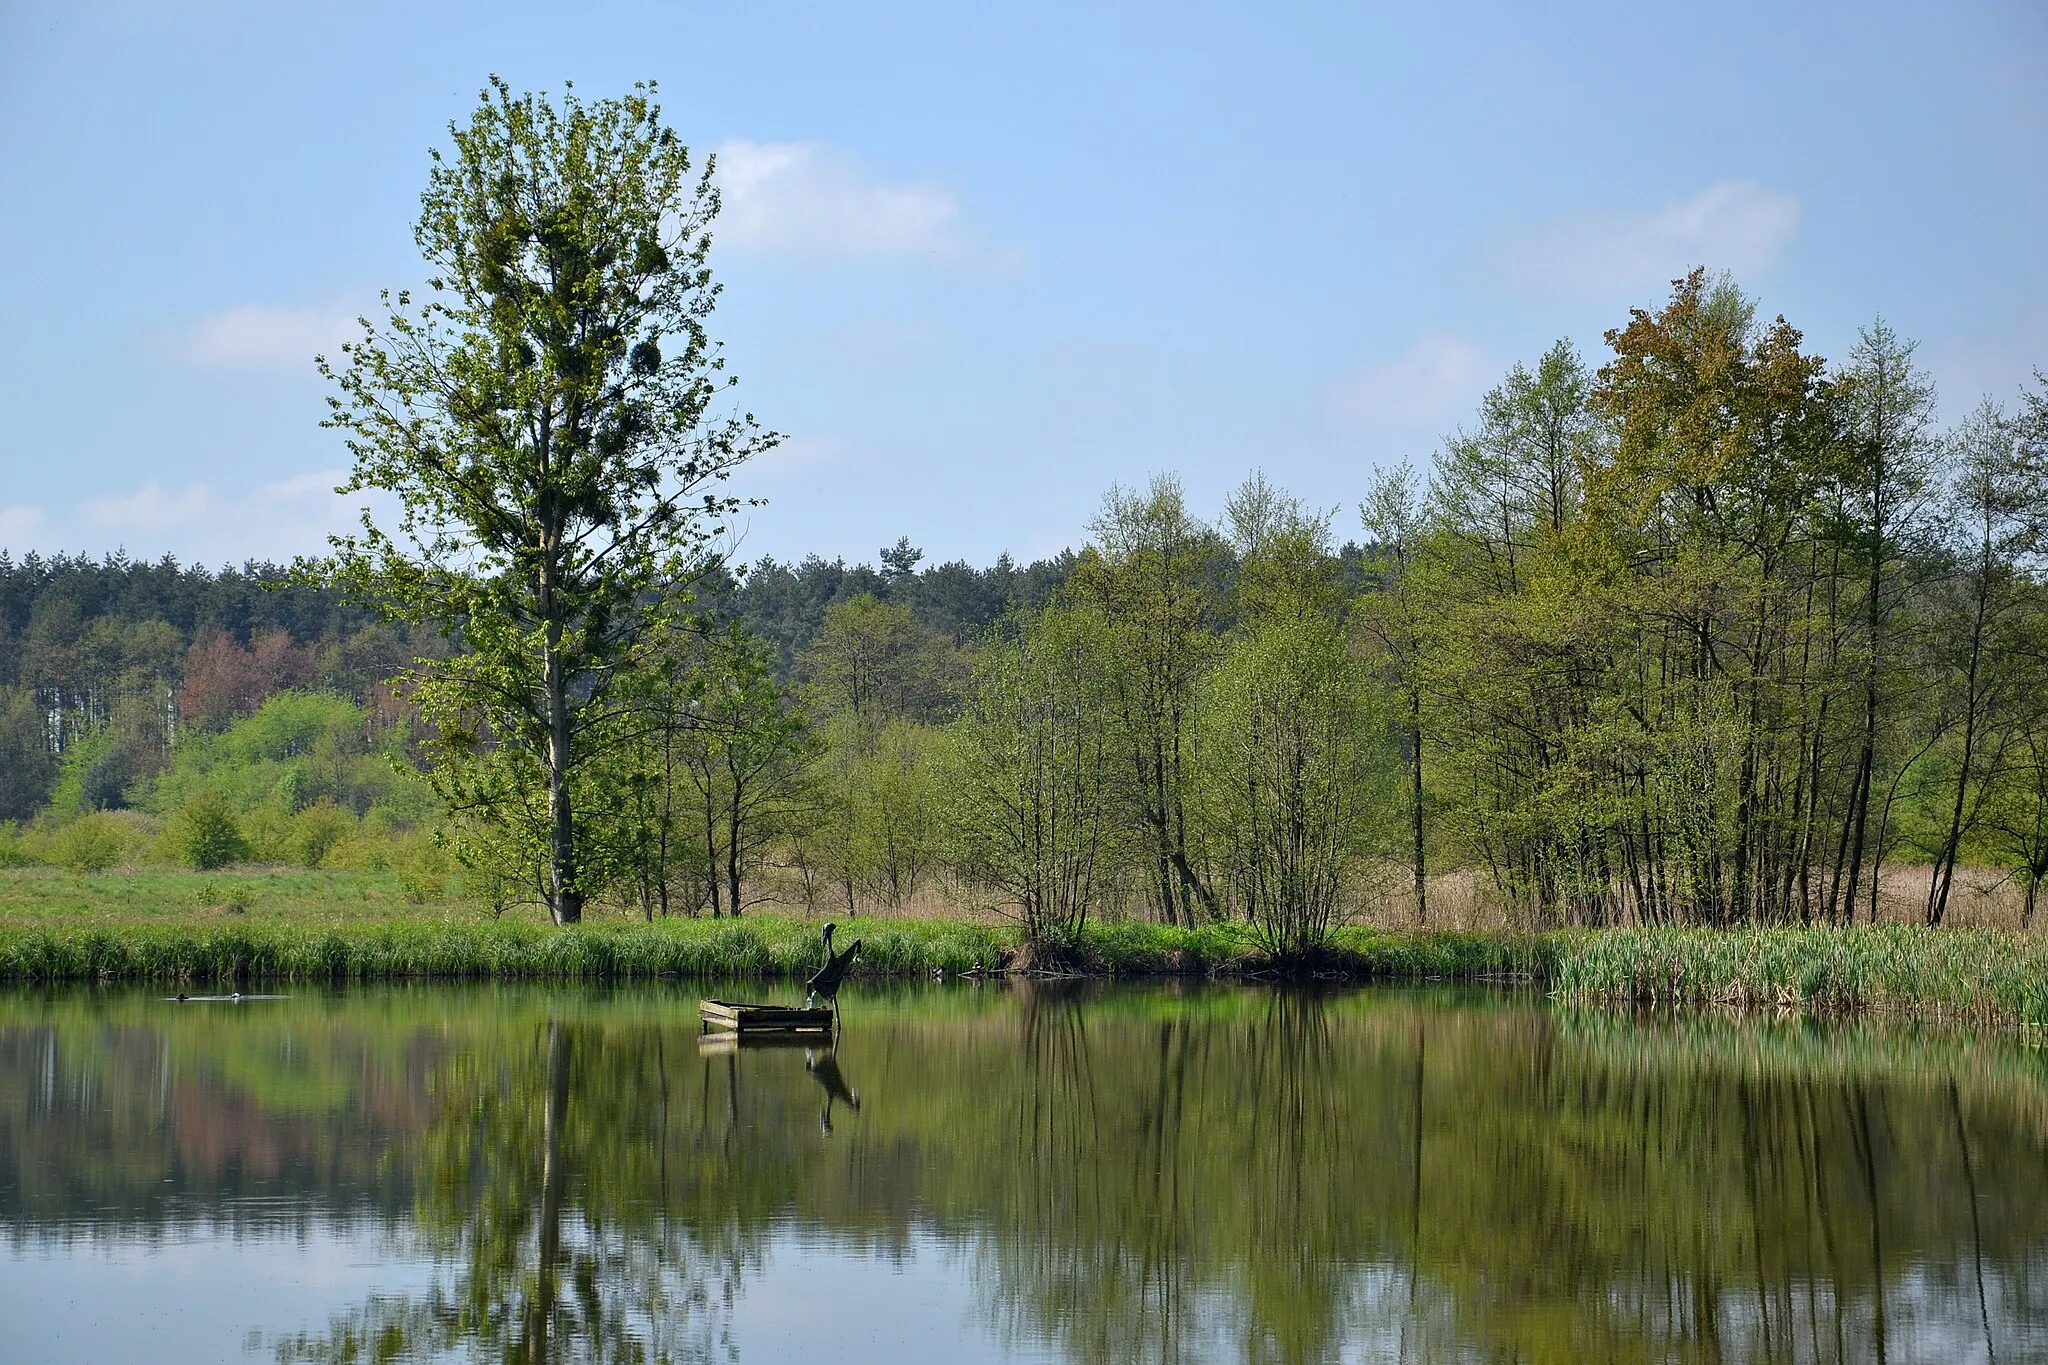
<point x="745" y="1018"/>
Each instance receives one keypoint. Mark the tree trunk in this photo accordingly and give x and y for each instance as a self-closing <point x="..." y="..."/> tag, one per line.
<point x="565" y="898"/>
<point x="553" y="1183"/>
<point x="1415" y="803"/>
<point x="711" y="879"/>
<point x="735" y="822"/>
<point x="1951" y="844"/>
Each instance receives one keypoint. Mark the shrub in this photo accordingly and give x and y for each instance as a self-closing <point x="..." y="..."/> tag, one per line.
<point x="317" y="831"/>
<point x="233" y="897"/>
<point x="91" y="843"/>
<point x="266" y="834"/>
<point x="422" y="865"/>
<point x="15" y="850"/>
<point x="204" y="834"/>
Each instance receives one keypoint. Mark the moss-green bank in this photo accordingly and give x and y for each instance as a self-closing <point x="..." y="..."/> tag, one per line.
<point x="1984" y="976"/>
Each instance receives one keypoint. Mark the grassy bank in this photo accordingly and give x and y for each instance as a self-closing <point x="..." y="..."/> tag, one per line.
<point x="291" y="926"/>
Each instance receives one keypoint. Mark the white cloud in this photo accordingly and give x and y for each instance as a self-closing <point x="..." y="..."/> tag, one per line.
<point x="1736" y="225"/>
<point x="1434" y="379"/>
<point x="21" y="527"/>
<point x="279" y="520"/>
<point x="150" y="510"/>
<point x="253" y="336"/>
<point x="804" y="199"/>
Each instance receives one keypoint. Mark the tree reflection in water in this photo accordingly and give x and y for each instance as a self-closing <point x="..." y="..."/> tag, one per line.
<point x="1136" y="1174"/>
<point x="528" y="1169"/>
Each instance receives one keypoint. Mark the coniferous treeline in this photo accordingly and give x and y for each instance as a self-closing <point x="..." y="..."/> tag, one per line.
<point x="129" y="652"/>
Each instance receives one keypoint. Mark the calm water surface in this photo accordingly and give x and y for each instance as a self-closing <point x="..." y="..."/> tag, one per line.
<point x="991" y="1173"/>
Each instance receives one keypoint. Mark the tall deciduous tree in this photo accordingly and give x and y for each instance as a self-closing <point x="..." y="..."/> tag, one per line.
<point x="1999" y="507"/>
<point x="27" y="767"/>
<point x="744" y="749"/>
<point x="1295" y="763"/>
<point x="1148" y="574"/>
<point x="1033" y="789"/>
<point x="1889" y="483"/>
<point x="544" y="420"/>
<point x="1392" y="616"/>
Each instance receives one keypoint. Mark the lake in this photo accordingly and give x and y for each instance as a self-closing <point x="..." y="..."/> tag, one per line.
<point x="982" y="1172"/>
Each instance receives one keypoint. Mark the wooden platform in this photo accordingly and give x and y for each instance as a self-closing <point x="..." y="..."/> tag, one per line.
<point x="746" y="1018"/>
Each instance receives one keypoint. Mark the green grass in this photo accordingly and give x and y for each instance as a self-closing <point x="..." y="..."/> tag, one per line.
<point x="761" y="946"/>
<point x="206" y="928"/>
<point x="42" y="897"/>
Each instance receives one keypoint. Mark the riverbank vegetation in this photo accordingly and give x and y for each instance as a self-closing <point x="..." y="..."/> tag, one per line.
<point x="1711" y="632"/>
<point x="285" y="929"/>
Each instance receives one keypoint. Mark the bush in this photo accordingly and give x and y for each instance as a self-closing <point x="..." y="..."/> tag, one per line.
<point x="317" y="831"/>
<point x="422" y="865"/>
<point x="91" y="843"/>
<point x="15" y="850"/>
<point x="266" y="833"/>
<point x="204" y="834"/>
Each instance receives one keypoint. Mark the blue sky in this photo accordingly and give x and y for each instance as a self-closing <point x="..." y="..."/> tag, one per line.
<point x="981" y="261"/>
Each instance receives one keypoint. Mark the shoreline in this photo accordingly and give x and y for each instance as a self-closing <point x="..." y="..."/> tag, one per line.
<point x="1989" y="977"/>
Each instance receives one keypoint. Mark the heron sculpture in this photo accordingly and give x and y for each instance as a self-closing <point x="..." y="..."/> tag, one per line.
<point x="826" y="981"/>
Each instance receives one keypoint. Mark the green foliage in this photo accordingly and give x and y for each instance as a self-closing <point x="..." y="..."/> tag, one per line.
<point x="299" y="749"/>
<point x="873" y="660"/>
<point x="1981" y="976"/>
<point x="874" y="828"/>
<point x="712" y="773"/>
<point x="317" y="831"/>
<point x="1154" y="576"/>
<point x="500" y="949"/>
<point x="234" y="897"/>
<point x="14" y="850"/>
<point x="543" y="419"/>
<point x="27" y="768"/>
<point x="1296" y="780"/>
<point x="1033" y="783"/>
<point x="204" y="833"/>
<point x="1977" y="974"/>
<point x="91" y="843"/>
<point x="1712" y="634"/>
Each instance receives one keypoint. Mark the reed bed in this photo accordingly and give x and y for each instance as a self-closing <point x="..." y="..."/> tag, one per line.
<point x="1987" y="975"/>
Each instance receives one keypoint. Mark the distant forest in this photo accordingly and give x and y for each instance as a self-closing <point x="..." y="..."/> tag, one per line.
<point x="149" y="647"/>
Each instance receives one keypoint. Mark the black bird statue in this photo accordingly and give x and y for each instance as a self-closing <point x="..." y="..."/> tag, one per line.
<point x="826" y="982"/>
